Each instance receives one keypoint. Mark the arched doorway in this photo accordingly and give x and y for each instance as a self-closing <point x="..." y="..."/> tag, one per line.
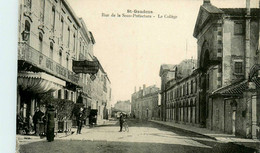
<point x="204" y="64"/>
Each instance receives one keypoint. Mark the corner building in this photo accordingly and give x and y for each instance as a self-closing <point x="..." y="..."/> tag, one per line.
<point x="50" y="37"/>
<point x="228" y="64"/>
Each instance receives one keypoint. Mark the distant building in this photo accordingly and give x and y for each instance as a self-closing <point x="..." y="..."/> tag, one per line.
<point x="144" y="103"/>
<point x="124" y="106"/>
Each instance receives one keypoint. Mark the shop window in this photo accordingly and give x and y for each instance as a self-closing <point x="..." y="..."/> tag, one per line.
<point x="238" y="67"/>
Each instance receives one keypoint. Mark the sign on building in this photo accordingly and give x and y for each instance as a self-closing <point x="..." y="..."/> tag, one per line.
<point x="87" y="67"/>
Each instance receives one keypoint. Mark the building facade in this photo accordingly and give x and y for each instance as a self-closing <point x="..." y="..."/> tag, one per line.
<point x="124" y="106"/>
<point x="226" y="80"/>
<point x="144" y="104"/>
<point x="228" y="58"/>
<point x="50" y="37"/>
<point x="182" y="94"/>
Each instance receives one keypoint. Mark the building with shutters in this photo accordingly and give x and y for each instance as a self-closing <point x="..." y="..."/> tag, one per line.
<point x="50" y="37"/>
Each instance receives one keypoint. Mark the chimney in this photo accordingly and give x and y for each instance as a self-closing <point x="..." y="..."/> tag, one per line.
<point x="135" y="89"/>
<point x="206" y="2"/>
<point x="144" y="86"/>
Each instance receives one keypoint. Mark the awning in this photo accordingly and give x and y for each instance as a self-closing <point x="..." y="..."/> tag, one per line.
<point x="39" y="82"/>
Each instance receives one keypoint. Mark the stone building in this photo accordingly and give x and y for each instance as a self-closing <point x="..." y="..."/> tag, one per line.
<point x="167" y="72"/>
<point x="50" y="37"/>
<point x="144" y="103"/>
<point x="181" y="93"/>
<point x="123" y="106"/>
<point x="228" y="58"/>
<point x="227" y="75"/>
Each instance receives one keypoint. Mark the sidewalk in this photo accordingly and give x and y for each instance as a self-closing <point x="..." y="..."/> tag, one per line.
<point x="216" y="135"/>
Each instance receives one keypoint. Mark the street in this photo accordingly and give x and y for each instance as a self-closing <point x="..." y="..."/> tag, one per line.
<point x="143" y="136"/>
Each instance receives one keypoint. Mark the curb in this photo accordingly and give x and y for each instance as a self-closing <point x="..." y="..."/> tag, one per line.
<point x="210" y="137"/>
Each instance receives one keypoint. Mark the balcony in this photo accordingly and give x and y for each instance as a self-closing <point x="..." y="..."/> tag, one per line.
<point x="42" y="63"/>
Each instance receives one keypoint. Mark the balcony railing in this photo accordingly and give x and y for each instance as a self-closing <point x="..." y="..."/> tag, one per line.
<point x="38" y="59"/>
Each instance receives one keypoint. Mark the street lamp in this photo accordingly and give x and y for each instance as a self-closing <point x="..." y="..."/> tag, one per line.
<point x="25" y="35"/>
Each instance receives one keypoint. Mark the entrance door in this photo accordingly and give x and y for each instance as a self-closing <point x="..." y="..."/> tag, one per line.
<point x="234" y="122"/>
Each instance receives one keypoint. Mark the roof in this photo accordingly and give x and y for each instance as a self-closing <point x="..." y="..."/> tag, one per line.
<point x="240" y="11"/>
<point x="207" y="11"/>
<point x="236" y="89"/>
<point x="211" y="8"/>
<point x="166" y="67"/>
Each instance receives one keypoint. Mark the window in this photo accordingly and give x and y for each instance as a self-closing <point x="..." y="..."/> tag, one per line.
<point x="238" y="28"/>
<point x="59" y="94"/>
<point x="51" y="50"/>
<point x="191" y="87"/>
<point x="74" y="42"/>
<point x="187" y="88"/>
<point x="42" y="6"/>
<point x="66" y="94"/>
<point x="238" y="67"/>
<point x="67" y="62"/>
<point x="62" y="28"/>
<point x="53" y="19"/>
<point x="40" y="41"/>
<point x="71" y="96"/>
<point x="60" y="58"/>
<point x="27" y="29"/>
<point x="68" y="37"/>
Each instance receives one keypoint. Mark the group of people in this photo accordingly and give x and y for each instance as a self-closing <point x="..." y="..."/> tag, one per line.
<point x="46" y="120"/>
<point x="41" y="123"/>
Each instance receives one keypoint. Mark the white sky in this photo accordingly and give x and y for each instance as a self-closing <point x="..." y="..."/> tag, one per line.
<point x="131" y="50"/>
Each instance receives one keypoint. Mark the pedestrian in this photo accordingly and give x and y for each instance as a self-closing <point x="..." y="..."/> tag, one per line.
<point x="50" y="114"/>
<point x="79" y="120"/>
<point x="36" y="119"/>
<point x="121" y="121"/>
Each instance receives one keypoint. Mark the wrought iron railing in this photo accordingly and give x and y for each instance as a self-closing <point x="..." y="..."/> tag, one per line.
<point x="38" y="59"/>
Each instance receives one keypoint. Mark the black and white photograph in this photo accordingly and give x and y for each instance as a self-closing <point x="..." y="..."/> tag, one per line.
<point x="136" y="76"/>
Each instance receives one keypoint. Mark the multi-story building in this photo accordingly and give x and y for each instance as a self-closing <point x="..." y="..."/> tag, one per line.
<point x="144" y="103"/>
<point x="101" y="94"/>
<point x="50" y="37"/>
<point x="228" y="58"/>
<point x="227" y="75"/>
<point x="181" y="94"/>
<point x="124" y="106"/>
<point x="167" y="72"/>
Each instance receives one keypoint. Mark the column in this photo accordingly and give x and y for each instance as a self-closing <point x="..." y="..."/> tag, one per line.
<point x="32" y="107"/>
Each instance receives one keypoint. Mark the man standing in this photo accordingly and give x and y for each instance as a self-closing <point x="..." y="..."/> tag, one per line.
<point x="121" y="121"/>
<point x="79" y="120"/>
<point x="36" y="119"/>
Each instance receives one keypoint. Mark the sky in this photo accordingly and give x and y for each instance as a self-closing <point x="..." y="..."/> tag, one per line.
<point x="132" y="49"/>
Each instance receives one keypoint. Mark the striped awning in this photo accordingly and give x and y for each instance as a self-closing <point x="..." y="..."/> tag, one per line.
<point x="39" y="82"/>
